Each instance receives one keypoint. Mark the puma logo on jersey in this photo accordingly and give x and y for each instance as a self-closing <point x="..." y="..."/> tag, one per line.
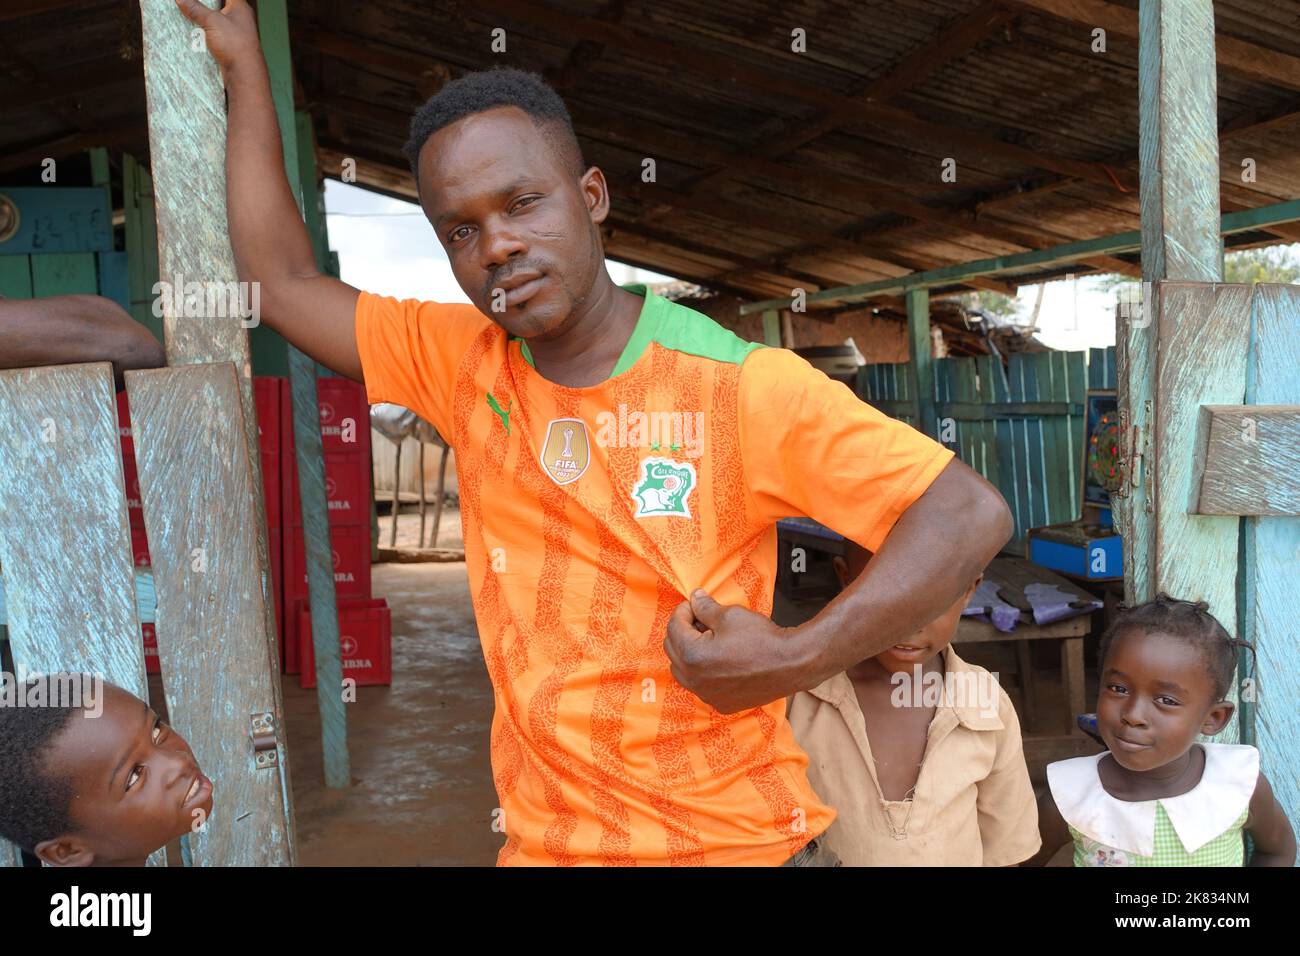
<point x="502" y="413"/>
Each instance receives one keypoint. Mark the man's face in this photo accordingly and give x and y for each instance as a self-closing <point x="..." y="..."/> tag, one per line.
<point x="519" y="226"/>
<point x="135" y="782"/>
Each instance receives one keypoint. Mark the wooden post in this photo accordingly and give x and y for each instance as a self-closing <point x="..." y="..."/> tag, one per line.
<point x="921" y="369"/>
<point x="1184" y="345"/>
<point x="273" y="27"/>
<point x="187" y="137"/>
<point x="772" y="328"/>
<point x="1179" y="192"/>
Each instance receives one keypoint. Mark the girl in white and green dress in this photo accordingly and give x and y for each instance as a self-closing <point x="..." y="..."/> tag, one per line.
<point x="1158" y="797"/>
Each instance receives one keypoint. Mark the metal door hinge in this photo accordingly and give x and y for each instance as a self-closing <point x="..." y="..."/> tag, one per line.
<point x="265" y="745"/>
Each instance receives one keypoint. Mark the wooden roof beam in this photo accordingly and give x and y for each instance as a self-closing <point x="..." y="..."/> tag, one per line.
<point x="17" y="9"/>
<point x="953" y="141"/>
<point x="1250" y="60"/>
<point x="957" y="39"/>
<point x="106" y="71"/>
<point x="617" y="225"/>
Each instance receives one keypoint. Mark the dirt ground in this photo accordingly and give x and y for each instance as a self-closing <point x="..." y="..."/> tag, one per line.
<point x="421" y="791"/>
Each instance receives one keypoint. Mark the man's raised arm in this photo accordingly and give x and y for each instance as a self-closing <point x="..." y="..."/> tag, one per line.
<point x="314" y="312"/>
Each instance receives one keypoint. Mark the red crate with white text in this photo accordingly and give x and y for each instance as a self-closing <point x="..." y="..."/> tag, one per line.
<point x="151" y="665"/>
<point x="365" y="642"/>
<point x="350" y="556"/>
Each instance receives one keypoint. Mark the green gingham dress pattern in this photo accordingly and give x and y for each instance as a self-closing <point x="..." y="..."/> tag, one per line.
<point x="1227" y="849"/>
<point x="1202" y="827"/>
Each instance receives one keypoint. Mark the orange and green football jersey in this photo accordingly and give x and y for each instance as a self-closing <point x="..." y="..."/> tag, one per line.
<point x="589" y="513"/>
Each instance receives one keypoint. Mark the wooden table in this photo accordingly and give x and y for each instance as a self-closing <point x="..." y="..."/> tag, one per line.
<point x="1013" y="574"/>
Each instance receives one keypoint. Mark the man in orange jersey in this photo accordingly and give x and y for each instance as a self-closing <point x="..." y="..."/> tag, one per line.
<point x="622" y="463"/>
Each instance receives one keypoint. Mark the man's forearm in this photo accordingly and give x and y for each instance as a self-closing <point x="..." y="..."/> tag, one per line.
<point x="931" y="556"/>
<point x="68" y="329"/>
<point x="267" y="233"/>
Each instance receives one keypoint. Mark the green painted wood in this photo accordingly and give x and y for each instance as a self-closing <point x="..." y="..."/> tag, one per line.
<point x="772" y="328"/>
<point x="273" y="27"/>
<point x="100" y="173"/>
<point x="16" y="277"/>
<point x="1133" y="502"/>
<point x="920" y="369"/>
<point x="141" y="230"/>
<point x="1271" y="552"/>
<point x="1101" y="369"/>
<point x="1181" y="222"/>
<point x="66" y="546"/>
<point x="187" y="137"/>
<point x="1204" y="333"/>
<point x="64" y="273"/>
<point x="1178" y="143"/>
<point x="59" y="219"/>
<point x="114" y="277"/>
<point x="198" y="486"/>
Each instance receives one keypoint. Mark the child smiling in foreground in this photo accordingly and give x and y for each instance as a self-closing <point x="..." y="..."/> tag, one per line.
<point x="107" y="789"/>
<point x="918" y="776"/>
<point x="1159" y="798"/>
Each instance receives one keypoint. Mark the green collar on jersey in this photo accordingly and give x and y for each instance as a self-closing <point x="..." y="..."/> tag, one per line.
<point x="672" y="326"/>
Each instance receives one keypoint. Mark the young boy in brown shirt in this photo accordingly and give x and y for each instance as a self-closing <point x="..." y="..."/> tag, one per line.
<point x="919" y="753"/>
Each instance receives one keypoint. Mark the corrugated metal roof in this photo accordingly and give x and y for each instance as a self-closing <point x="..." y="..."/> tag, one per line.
<point x="761" y="192"/>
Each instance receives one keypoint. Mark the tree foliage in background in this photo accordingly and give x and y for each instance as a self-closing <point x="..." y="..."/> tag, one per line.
<point x="1266" y="264"/>
<point x="991" y="303"/>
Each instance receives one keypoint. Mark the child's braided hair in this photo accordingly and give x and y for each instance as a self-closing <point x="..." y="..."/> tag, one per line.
<point x="1190" y="621"/>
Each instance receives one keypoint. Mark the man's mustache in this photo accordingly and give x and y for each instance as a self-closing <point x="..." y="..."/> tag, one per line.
<point x="502" y="276"/>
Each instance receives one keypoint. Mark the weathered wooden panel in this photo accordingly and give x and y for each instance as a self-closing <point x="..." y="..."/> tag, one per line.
<point x="1133" y="502"/>
<point x="64" y="273"/>
<point x="1248" y="460"/>
<point x="187" y="141"/>
<point x="1271" y="573"/>
<point x="65" y="545"/>
<point x="1204" y="333"/>
<point x="199" y="494"/>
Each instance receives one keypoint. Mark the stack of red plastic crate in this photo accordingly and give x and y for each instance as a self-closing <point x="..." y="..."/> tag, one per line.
<point x="135" y="514"/>
<point x="364" y="623"/>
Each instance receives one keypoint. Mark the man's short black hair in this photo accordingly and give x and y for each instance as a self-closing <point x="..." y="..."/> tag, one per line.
<point x="34" y="803"/>
<point x="486" y="89"/>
